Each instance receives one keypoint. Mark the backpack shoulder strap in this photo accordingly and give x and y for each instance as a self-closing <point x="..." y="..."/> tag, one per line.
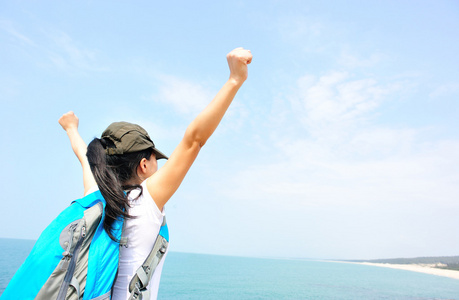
<point x="139" y="283"/>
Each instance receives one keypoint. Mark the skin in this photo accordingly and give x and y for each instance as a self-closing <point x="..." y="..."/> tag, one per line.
<point x="69" y="122"/>
<point x="163" y="183"/>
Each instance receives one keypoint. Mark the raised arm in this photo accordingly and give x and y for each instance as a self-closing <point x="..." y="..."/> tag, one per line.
<point x="163" y="184"/>
<point x="69" y="123"/>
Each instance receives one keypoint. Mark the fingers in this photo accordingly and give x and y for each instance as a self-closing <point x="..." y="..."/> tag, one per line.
<point x="250" y="58"/>
<point x="247" y="55"/>
<point x="241" y="54"/>
<point x="69" y="114"/>
<point x="238" y="59"/>
<point x="68" y="119"/>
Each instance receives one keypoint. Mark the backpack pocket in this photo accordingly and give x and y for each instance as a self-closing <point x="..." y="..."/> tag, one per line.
<point x="68" y="279"/>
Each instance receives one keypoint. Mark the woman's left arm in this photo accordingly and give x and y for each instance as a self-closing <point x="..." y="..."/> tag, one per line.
<point x="164" y="183"/>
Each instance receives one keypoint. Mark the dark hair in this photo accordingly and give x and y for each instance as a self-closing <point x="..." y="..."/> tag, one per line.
<point x="111" y="173"/>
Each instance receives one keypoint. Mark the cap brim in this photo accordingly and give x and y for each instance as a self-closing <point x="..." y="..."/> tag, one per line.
<point x="159" y="154"/>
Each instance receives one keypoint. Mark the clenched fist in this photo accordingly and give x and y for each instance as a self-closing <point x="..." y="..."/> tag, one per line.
<point x="238" y="59"/>
<point x="69" y="121"/>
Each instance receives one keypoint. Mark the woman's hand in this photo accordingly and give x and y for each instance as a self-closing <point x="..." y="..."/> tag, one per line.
<point x="163" y="184"/>
<point x="238" y="59"/>
<point x="69" y="121"/>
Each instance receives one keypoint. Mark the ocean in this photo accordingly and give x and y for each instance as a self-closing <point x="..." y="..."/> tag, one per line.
<point x="201" y="276"/>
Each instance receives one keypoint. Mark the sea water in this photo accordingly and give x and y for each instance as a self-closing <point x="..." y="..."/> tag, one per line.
<point x="201" y="276"/>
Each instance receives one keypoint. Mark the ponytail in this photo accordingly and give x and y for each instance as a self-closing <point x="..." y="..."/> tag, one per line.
<point x="111" y="172"/>
<point x="109" y="185"/>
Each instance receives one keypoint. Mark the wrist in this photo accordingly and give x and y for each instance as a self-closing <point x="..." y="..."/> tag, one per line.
<point x="71" y="130"/>
<point x="236" y="82"/>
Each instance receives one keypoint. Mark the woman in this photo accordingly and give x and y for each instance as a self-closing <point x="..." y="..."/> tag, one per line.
<point x="124" y="167"/>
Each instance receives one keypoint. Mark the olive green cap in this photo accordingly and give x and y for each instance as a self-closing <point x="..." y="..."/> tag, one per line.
<point x="128" y="138"/>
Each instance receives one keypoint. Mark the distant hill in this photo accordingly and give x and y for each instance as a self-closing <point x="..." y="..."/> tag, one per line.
<point x="441" y="262"/>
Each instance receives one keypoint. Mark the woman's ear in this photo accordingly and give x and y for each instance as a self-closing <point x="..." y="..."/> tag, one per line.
<point x="143" y="167"/>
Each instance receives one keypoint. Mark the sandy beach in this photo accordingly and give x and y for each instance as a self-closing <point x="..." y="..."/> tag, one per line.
<point x="417" y="268"/>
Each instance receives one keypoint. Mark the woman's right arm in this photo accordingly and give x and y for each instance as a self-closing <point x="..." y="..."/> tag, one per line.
<point x="163" y="184"/>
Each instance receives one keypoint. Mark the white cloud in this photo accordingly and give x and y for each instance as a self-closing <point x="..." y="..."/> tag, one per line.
<point x="65" y="54"/>
<point x="185" y="96"/>
<point x="8" y="27"/>
<point x="328" y="171"/>
<point x="58" y="47"/>
<point x="335" y="102"/>
<point x="189" y="98"/>
<point x="337" y="153"/>
<point x="316" y="176"/>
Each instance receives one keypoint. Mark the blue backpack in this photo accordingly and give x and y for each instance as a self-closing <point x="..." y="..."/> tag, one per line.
<point x="74" y="258"/>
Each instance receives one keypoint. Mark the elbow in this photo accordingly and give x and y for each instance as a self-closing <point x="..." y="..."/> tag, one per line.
<point x="194" y="138"/>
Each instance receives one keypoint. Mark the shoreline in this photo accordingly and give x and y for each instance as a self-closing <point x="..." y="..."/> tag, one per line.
<point x="414" y="268"/>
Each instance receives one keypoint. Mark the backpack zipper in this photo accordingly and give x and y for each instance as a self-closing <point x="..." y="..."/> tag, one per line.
<point x="70" y="261"/>
<point x="67" y="254"/>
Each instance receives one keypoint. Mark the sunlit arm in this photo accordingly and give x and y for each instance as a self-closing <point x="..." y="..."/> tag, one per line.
<point x="163" y="184"/>
<point x="201" y="128"/>
<point x="69" y="123"/>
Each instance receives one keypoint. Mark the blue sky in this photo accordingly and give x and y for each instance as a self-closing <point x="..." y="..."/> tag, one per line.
<point x="342" y="144"/>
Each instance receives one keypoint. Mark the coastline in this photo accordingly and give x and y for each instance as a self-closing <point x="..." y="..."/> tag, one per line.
<point x="415" y="268"/>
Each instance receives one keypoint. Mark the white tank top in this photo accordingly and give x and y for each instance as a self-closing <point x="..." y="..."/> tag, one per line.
<point x="141" y="233"/>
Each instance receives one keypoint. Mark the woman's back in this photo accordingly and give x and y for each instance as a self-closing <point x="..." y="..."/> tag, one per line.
<point x="141" y="231"/>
